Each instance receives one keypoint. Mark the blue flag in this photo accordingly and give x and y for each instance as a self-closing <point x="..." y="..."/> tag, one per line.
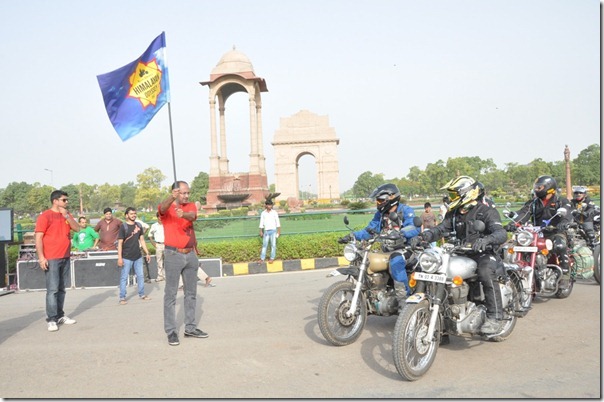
<point x="135" y="92"/>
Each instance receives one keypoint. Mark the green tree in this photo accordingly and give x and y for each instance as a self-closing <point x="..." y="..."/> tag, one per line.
<point x="586" y="166"/>
<point x="149" y="192"/>
<point x="15" y="196"/>
<point x="366" y="183"/>
<point x="38" y="198"/>
<point x="199" y="187"/>
<point x="105" y="195"/>
<point x="128" y="194"/>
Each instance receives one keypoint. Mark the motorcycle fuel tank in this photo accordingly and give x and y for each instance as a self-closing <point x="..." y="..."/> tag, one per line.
<point x="461" y="266"/>
<point x="378" y="262"/>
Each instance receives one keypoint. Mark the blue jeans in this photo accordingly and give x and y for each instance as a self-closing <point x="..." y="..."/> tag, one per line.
<point x="398" y="270"/>
<point x="175" y="265"/>
<point x="138" y="270"/>
<point x="272" y="236"/>
<point x="56" y="276"/>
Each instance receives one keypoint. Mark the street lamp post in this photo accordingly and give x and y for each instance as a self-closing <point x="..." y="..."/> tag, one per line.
<point x="51" y="180"/>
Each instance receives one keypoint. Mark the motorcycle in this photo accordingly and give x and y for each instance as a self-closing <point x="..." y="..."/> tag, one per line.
<point x="368" y="288"/>
<point x="546" y="268"/>
<point x="530" y="251"/>
<point x="448" y="300"/>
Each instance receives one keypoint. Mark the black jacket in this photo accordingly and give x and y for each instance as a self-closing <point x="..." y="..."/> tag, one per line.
<point x="536" y="211"/>
<point x="462" y="225"/>
<point x="587" y="209"/>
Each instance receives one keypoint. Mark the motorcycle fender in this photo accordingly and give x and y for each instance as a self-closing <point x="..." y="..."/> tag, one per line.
<point x="415" y="298"/>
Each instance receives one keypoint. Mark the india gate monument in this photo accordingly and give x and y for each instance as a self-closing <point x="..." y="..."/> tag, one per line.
<point x="304" y="133"/>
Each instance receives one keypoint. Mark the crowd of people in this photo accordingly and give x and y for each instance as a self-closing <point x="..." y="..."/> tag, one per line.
<point x="173" y="237"/>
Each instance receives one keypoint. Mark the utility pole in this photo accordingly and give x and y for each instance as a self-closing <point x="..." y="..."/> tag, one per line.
<point x="569" y="193"/>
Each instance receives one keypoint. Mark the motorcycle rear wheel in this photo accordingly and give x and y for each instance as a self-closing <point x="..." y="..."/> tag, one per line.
<point x="336" y="327"/>
<point x="412" y="357"/>
<point x="597" y="263"/>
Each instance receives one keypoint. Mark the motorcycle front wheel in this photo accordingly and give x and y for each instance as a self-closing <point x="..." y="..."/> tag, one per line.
<point x="335" y="325"/>
<point x="413" y="353"/>
<point x="597" y="263"/>
<point x="564" y="293"/>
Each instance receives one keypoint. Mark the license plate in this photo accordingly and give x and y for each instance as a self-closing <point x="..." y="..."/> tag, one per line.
<point x="527" y="249"/>
<point x="430" y="277"/>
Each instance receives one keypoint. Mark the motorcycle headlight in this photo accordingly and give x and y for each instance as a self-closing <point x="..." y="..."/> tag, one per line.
<point x="430" y="261"/>
<point x="524" y="238"/>
<point x="350" y="252"/>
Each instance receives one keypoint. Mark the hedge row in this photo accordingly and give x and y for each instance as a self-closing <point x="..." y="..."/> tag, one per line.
<point x="289" y="247"/>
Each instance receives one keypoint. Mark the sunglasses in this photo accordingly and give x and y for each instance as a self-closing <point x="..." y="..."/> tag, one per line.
<point x="63" y="199"/>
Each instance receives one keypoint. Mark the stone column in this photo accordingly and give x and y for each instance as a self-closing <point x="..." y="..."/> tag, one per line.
<point x="261" y="158"/>
<point x="214" y="159"/>
<point x="254" y="166"/>
<point x="224" y="159"/>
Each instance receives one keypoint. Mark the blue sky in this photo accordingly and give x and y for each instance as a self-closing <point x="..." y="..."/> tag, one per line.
<point x="404" y="83"/>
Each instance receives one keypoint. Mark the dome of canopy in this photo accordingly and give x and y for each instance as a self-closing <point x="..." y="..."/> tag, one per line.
<point x="233" y="62"/>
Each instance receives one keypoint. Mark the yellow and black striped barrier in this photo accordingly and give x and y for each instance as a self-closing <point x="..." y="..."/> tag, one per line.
<point x="247" y="268"/>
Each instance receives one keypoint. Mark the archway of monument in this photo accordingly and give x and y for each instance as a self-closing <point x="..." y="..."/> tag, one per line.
<point x="306" y="176"/>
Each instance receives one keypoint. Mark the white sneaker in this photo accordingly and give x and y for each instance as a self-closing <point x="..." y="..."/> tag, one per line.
<point x="52" y="326"/>
<point x="66" y="320"/>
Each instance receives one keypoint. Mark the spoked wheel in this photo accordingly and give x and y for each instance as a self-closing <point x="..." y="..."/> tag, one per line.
<point x="564" y="293"/>
<point x="336" y="326"/>
<point x="412" y="350"/>
<point x="597" y="263"/>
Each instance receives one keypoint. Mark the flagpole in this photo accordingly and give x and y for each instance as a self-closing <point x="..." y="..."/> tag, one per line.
<point x="172" y="140"/>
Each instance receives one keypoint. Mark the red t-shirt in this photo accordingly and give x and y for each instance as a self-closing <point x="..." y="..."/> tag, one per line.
<point x="56" y="240"/>
<point x="179" y="232"/>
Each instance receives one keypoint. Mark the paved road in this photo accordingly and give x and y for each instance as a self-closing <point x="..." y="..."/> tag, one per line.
<point x="265" y="342"/>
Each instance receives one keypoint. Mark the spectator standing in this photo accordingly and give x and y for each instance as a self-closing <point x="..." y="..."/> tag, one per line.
<point x="52" y="234"/>
<point x="129" y="244"/>
<point x="180" y="259"/>
<point x="443" y="208"/>
<point x="86" y="237"/>
<point x="270" y="229"/>
<point x="108" y="228"/>
<point x="428" y="219"/>
<point x="146" y="274"/>
<point x="156" y="236"/>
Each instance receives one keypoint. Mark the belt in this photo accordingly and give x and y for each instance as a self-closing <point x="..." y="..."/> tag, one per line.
<point x="159" y="242"/>
<point x="180" y="250"/>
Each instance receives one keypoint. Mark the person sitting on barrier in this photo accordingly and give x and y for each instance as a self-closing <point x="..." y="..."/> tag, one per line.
<point x="86" y="238"/>
<point x="108" y="228"/>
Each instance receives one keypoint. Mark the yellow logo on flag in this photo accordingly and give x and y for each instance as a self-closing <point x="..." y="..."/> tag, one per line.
<point x="145" y="83"/>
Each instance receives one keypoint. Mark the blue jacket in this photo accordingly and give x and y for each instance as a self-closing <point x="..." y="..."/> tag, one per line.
<point x="408" y="229"/>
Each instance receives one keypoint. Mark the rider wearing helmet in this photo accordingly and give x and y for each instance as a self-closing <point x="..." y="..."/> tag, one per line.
<point x="584" y="210"/>
<point x="464" y="209"/>
<point x="482" y="195"/>
<point x="543" y="206"/>
<point x="387" y="198"/>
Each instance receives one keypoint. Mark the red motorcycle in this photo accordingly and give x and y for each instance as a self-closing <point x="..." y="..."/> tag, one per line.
<point x="530" y="254"/>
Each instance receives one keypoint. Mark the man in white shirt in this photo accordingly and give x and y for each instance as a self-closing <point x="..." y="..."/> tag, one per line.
<point x="270" y="229"/>
<point x="156" y="235"/>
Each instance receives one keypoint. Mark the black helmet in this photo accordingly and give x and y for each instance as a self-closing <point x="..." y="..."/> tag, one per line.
<point x="462" y="191"/>
<point x="481" y="191"/>
<point x="544" y="185"/>
<point x="386" y="196"/>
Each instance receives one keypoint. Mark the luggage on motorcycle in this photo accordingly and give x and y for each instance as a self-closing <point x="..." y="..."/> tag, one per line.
<point x="584" y="262"/>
